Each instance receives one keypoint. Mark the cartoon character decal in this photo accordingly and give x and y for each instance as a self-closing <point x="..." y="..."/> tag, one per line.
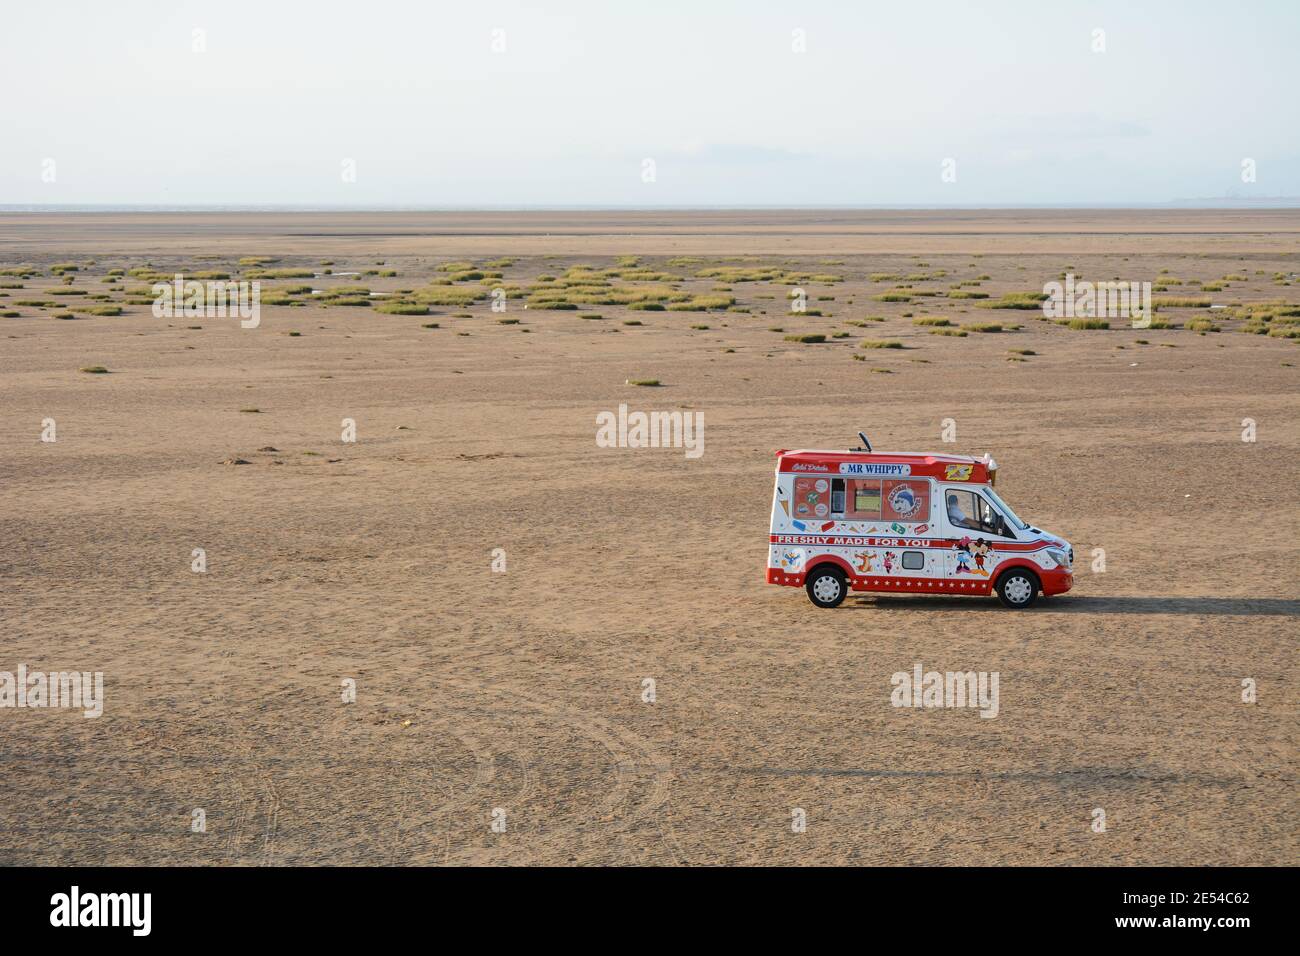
<point x="982" y="550"/>
<point x="864" y="559"/>
<point x="907" y="501"/>
<point x="962" y="548"/>
<point x="792" y="560"/>
<point x="889" y="561"/>
<point x="979" y="551"/>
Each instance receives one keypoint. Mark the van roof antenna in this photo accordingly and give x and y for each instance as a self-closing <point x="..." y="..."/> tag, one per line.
<point x="866" y="445"/>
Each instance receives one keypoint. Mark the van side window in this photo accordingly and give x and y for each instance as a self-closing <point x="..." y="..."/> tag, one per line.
<point x="967" y="509"/>
<point x="837" y="496"/>
<point x="914" y="560"/>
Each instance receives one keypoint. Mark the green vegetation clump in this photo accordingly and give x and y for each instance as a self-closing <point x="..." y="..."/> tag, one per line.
<point x="931" y="321"/>
<point x="644" y="382"/>
<point x="1169" y="302"/>
<point x="962" y="294"/>
<point x="881" y="344"/>
<point x="892" y="297"/>
<point x="402" y="308"/>
<point x="983" y="327"/>
<point x="703" y="303"/>
<point x="811" y="339"/>
<point x="1017" y="300"/>
<point x="94" y="370"/>
<point x="1084" y="323"/>
<point x="955" y="332"/>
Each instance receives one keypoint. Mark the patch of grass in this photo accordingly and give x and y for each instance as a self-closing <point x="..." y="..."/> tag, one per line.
<point x="507" y="321"/>
<point x="644" y="382"/>
<point x="1201" y="325"/>
<point x="1180" y="302"/>
<point x="430" y="325"/>
<point x="1080" y="324"/>
<point x="591" y="316"/>
<point x="104" y="310"/>
<point x="962" y="294"/>
<point x="94" y="370"/>
<point x="954" y="332"/>
<point x="632" y="322"/>
<point x="983" y="327"/>
<point x="880" y="344"/>
<point x="811" y="339"/>
<point x="1022" y="351"/>
<point x="251" y="411"/>
<point x="931" y="321"/>
<point x="279" y="274"/>
<point x="66" y="292"/>
<point x="892" y="297"/>
<point x="703" y="303"/>
<point x="1017" y="300"/>
<point x="402" y="308"/>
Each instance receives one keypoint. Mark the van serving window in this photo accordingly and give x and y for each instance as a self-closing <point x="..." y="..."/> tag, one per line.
<point x="837" y="496"/>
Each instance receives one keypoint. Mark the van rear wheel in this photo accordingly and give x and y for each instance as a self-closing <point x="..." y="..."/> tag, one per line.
<point x="1018" y="588"/>
<point x="826" y="586"/>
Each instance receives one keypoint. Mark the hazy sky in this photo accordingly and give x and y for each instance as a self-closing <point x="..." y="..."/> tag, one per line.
<point x="715" y="93"/>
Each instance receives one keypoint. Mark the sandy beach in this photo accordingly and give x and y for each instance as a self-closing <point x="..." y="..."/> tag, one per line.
<point x="519" y="696"/>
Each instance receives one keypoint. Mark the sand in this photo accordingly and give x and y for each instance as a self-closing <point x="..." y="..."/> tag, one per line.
<point x="518" y="696"/>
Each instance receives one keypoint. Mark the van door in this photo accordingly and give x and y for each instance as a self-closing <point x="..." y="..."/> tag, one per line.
<point x="973" y="529"/>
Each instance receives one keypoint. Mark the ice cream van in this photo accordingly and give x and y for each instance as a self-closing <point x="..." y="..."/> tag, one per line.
<point x="903" y="522"/>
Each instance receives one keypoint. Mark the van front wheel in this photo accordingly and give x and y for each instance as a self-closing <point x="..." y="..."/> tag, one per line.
<point x="1018" y="588"/>
<point x="826" y="586"/>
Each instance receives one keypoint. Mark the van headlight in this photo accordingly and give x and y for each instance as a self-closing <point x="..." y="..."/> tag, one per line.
<point x="1060" y="557"/>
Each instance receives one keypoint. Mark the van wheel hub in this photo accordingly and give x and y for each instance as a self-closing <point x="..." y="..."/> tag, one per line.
<point x="827" y="587"/>
<point x="1019" y="590"/>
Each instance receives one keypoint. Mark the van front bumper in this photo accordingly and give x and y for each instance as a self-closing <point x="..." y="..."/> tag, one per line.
<point x="1057" y="581"/>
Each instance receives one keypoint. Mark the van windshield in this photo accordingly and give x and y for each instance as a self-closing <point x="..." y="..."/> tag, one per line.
<point x="1006" y="509"/>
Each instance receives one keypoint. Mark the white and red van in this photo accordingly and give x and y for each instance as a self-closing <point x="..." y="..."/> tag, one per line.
<point x="905" y="523"/>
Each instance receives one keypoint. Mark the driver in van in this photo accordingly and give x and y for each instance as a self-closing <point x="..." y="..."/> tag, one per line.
<point x="957" y="517"/>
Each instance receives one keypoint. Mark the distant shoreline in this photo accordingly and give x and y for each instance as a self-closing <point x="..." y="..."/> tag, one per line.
<point x="1190" y="205"/>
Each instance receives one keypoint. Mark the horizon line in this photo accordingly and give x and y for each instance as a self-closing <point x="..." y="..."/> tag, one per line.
<point x="1263" y="203"/>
